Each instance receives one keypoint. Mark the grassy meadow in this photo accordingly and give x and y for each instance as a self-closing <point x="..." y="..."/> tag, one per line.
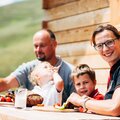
<point x="18" y="23"/>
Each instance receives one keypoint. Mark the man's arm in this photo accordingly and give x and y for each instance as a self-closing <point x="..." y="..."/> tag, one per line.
<point x="8" y="82"/>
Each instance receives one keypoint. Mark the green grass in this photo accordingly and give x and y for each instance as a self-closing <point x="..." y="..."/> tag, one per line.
<point x="18" y="23"/>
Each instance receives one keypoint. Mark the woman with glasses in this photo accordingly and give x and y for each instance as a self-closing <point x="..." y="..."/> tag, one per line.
<point x="106" y="40"/>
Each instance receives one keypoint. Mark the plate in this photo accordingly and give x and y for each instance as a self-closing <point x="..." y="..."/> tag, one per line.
<point x="6" y="104"/>
<point x="51" y="109"/>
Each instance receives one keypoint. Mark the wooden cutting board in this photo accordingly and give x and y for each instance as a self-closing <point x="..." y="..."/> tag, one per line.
<point x="51" y="109"/>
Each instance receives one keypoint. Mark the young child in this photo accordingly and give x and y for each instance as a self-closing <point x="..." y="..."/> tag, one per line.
<point x="84" y="80"/>
<point x="48" y="83"/>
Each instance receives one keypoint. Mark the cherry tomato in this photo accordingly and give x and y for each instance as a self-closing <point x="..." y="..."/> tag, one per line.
<point x="2" y="99"/>
<point x="8" y="99"/>
<point x="56" y="104"/>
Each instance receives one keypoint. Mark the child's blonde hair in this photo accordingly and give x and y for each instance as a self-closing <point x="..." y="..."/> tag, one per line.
<point x="34" y="74"/>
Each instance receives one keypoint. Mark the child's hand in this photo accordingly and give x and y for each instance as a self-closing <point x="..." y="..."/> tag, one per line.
<point x="75" y="99"/>
<point x="56" y="69"/>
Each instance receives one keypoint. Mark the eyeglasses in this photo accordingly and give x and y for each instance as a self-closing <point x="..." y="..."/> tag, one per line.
<point x="108" y="43"/>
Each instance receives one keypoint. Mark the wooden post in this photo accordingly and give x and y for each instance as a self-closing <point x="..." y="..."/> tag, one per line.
<point x="115" y="13"/>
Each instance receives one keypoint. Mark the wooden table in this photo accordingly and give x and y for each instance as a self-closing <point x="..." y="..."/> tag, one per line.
<point x="11" y="113"/>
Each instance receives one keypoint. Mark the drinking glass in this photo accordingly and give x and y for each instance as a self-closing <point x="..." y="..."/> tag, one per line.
<point x="20" y="98"/>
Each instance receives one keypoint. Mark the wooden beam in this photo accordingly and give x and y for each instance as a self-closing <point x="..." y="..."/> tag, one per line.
<point x="102" y="88"/>
<point x="47" y="4"/>
<point x="102" y="76"/>
<point x="95" y="61"/>
<point x="74" y="8"/>
<point x="76" y="49"/>
<point x="115" y="12"/>
<point x="75" y="35"/>
<point x="81" y="20"/>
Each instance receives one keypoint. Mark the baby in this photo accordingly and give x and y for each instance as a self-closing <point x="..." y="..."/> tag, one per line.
<point x="48" y="83"/>
<point x="84" y="80"/>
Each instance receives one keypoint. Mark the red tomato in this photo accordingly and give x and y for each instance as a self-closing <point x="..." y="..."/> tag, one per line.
<point x="56" y="104"/>
<point x="2" y="99"/>
<point x="8" y="99"/>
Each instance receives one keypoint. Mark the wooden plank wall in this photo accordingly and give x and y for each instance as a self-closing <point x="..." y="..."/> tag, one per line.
<point x="115" y="14"/>
<point x="73" y="22"/>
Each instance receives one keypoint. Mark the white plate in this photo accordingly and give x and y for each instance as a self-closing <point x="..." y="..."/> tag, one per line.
<point x="6" y="104"/>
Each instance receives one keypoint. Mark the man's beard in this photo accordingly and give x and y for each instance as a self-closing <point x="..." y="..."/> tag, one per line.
<point x="41" y="59"/>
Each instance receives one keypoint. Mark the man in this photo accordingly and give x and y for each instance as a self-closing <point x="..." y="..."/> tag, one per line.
<point x="45" y="44"/>
<point x="106" y="40"/>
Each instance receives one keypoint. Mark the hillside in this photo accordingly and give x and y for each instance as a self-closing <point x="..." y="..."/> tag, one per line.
<point x="18" y="23"/>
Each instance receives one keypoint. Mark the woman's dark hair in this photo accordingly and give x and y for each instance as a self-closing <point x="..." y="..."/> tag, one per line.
<point x="101" y="28"/>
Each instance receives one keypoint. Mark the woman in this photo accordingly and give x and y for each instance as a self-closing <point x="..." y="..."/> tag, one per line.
<point x="106" y="40"/>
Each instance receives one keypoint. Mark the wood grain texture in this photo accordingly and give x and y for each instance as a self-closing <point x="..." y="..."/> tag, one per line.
<point x="74" y="8"/>
<point x="75" y="35"/>
<point x="80" y="20"/>
<point x="47" y="4"/>
<point x="95" y="61"/>
<point x="102" y="76"/>
<point x="114" y="9"/>
<point x="7" y="113"/>
<point x="76" y="49"/>
<point x="51" y="109"/>
<point x="102" y="88"/>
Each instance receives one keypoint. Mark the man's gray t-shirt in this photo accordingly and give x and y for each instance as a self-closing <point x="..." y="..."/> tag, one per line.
<point x="23" y="71"/>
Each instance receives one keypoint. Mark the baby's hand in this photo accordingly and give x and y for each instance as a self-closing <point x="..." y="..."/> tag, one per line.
<point x="56" y="69"/>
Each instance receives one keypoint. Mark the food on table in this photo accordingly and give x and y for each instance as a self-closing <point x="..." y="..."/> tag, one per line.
<point x="40" y="105"/>
<point x="8" y="97"/>
<point x="57" y="104"/>
<point x="61" y="107"/>
<point x="34" y="99"/>
<point x="65" y="105"/>
<point x="10" y="94"/>
<point x="2" y="99"/>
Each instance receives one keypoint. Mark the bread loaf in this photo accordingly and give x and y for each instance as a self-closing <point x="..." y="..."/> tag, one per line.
<point x="34" y="99"/>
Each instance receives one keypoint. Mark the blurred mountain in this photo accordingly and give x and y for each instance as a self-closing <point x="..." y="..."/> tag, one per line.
<point x="18" y="23"/>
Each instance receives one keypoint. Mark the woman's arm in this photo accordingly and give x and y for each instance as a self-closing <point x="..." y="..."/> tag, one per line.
<point x="104" y="107"/>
